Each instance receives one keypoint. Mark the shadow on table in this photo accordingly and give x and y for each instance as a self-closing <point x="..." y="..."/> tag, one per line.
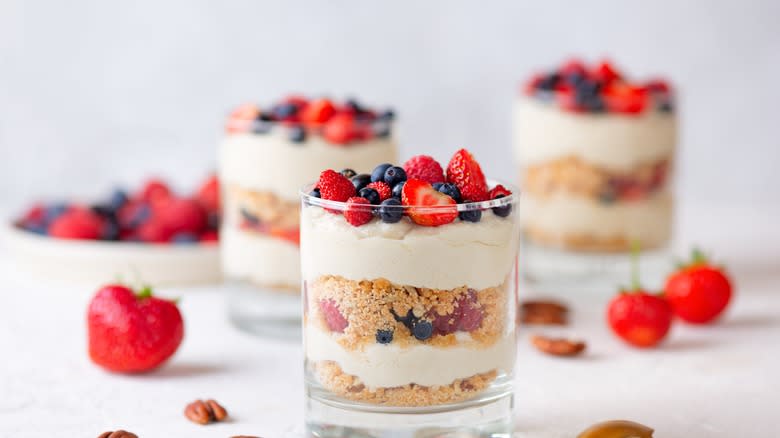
<point x="185" y="370"/>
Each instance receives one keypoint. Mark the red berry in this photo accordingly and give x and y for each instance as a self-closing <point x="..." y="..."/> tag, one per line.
<point x="657" y="86"/>
<point x="340" y="129"/>
<point x="333" y="317"/>
<point x="182" y="216"/>
<point x="382" y="188"/>
<point x="470" y="312"/>
<point x="208" y="194"/>
<point x="445" y="324"/>
<point x="424" y="168"/>
<point x="623" y="98"/>
<point x="640" y="318"/>
<point x="698" y="292"/>
<point x="498" y="191"/>
<point x="335" y="186"/>
<point x="209" y="236"/>
<point x="153" y="231"/>
<point x="132" y="333"/>
<point x="572" y="66"/>
<point x="154" y="191"/>
<point x="241" y="118"/>
<point x="464" y="171"/>
<point x="605" y="72"/>
<point x="298" y="101"/>
<point x="428" y="207"/>
<point x="77" y="223"/>
<point x="358" y="211"/>
<point x="34" y="214"/>
<point x="318" y="111"/>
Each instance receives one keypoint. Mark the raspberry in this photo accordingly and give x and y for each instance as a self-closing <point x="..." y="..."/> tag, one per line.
<point x="358" y="211"/>
<point x="445" y="324"/>
<point x="335" y="186"/>
<point x="382" y="188"/>
<point x="470" y="312"/>
<point x="464" y="171"/>
<point x="498" y="191"/>
<point x="333" y="317"/>
<point x="425" y="168"/>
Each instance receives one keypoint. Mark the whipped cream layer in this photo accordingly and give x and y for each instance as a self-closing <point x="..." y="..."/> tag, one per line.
<point x="649" y="220"/>
<point x="260" y="259"/>
<point x="272" y="162"/>
<point x="544" y="132"/>
<point x="387" y="366"/>
<point x="478" y="255"/>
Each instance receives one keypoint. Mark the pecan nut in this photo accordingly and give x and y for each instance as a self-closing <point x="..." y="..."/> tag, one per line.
<point x="118" y="434"/>
<point x="557" y="346"/>
<point x="205" y="412"/>
<point x="542" y="312"/>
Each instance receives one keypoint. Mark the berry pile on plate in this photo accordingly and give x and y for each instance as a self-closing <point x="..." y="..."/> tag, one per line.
<point x="420" y="190"/>
<point x="338" y="123"/>
<point x="577" y="87"/>
<point x="153" y="214"/>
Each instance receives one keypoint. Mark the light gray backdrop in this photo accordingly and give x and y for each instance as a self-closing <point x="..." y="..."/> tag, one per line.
<point x="103" y="92"/>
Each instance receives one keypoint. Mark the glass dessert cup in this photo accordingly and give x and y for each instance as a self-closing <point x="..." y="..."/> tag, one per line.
<point x="262" y="166"/>
<point x="409" y="331"/>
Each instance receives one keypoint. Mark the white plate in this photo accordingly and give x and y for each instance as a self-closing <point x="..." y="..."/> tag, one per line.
<point x="94" y="262"/>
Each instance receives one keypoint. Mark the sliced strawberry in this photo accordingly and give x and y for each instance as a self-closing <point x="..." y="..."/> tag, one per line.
<point x="620" y="97"/>
<point x="498" y="191"/>
<point x="333" y="317"/>
<point x="428" y="206"/>
<point x="464" y="171"/>
<point x="605" y="72"/>
<point x="318" y="111"/>
<point x="340" y="129"/>
<point x="358" y="211"/>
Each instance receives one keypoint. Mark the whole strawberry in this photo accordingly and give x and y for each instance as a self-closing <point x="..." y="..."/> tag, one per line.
<point x="698" y="292"/>
<point x="637" y="316"/>
<point x="132" y="332"/>
<point x="464" y="171"/>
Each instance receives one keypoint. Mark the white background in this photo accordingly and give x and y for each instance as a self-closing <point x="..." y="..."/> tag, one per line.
<point x="97" y="93"/>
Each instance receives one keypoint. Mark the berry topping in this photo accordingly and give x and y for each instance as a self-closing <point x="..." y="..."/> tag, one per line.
<point x="605" y="73"/>
<point x="182" y="216"/>
<point x="390" y="211"/>
<point x="371" y="195"/>
<point x="394" y="175"/>
<point x="450" y="190"/>
<point x="382" y="189"/>
<point x="398" y="190"/>
<point x="424" y="168"/>
<point x="384" y="336"/>
<point x="334" y="186"/>
<point x="470" y="215"/>
<point x="378" y="174"/>
<point x="358" y="211"/>
<point x="360" y="181"/>
<point x="77" y="223"/>
<point x="348" y="173"/>
<point x="422" y="330"/>
<point x="340" y="129"/>
<point x="155" y="191"/>
<point x="315" y="193"/>
<point x="318" y="111"/>
<point x="207" y="196"/>
<point x="333" y="317"/>
<point x="498" y="192"/>
<point x="464" y="171"/>
<point x="624" y="98"/>
<point x="428" y="207"/>
<point x="297" y="134"/>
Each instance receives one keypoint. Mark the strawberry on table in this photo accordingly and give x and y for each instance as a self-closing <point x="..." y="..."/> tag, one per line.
<point x="429" y="207"/>
<point x="464" y="171"/>
<point x="698" y="291"/>
<point x="132" y="332"/>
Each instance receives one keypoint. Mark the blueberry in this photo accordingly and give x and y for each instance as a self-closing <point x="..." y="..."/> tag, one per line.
<point x="284" y="110"/>
<point x="398" y="189"/>
<point x="54" y="211"/>
<point x="384" y="336"/>
<point x="103" y="210"/>
<point x="452" y="191"/>
<point x="353" y="105"/>
<point x="36" y="228"/>
<point x="549" y="82"/>
<point x="118" y="199"/>
<point x="140" y="215"/>
<point x="422" y="330"/>
<point x="387" y="115"/>
<point x="470" y="215"/>
<point x="213" y="220"/>
<point x="390" y="211"/>
<point x="666" y="106"/>
<point x="370" y="194"/>
<point x="381" y="130"/>
<point x="348" y="173"/>
<point x="436" y="186"/>
<point x="249" y="217"/>
<point x="574" y="78"/>
<point x="297" y="134"/>
<point x="409" y="320"/>
<point x="360" y="181"/>
<point x="378" y="174"/>
<point x="265" y="117"/>
<point x="260" y="126"/>
<point x="315" y="193"/>
<point x="184" y="238"/>
<point x="394" y="175"/>
<point x="589" y="88"/>
<point x="111" y="230"/>
<point x="504" y="210"/>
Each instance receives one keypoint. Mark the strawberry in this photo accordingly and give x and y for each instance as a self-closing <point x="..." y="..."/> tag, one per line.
<point x="154" y="191"/>
<point x="429" y="207"/>
<point x="208" y="194"/>
<point x="318" y="111"/>
<point x="333" y="317"/>
<point x="209" y="237"/>
<point x="153" y="231"/>
<point x="425" y="168"/>
<point x="182" y="216"/>
<point x="464" y="171"/>
<point x="241" y="118"/>
<point x="340" y="129"/>
<point x="639" y="317"/>
<point x="605" y="73"/>
<point x="77" y="223"/>
<point x="657" y="86"/>
<point x="698" y="291"/>
<point x="335" y="186"/>
<point x="573" y="66"/>
<point x="358" y="211"/>
<point x="382" y="188"/>
<point x="498" y="191"/>
<point x="132" y="332"/>
<point x="623" y="98"/>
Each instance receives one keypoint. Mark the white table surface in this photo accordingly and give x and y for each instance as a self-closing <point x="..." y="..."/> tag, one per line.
<point x="719" y="381"/>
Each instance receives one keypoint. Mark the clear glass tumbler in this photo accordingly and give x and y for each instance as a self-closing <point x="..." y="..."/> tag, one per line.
<point x="409" y="330"/>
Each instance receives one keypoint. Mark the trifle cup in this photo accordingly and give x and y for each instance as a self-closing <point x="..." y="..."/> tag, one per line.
<point x="265" y="157"/>
<point x="595" y="152"/>
<point x="409" y="302"/>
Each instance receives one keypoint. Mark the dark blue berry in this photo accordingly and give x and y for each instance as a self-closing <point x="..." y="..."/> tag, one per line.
<point x="390" y="211"/>
<point x="111" y="230"/>
<point x="348" y="173"/>
<point x="297" y="134"/>
<point x="36" y="228"/>
<point x="666" y="107"/>
<point x="381" y="130"/>
<point x="213" y="220"/>
<point x="370" y="194"/>
<point x="452" y="191"/>
<point x="504" y="210"/>
<point x="103" y="210"/>
<point x="360" y="181"/>
<point x="384" y="336"/>
<point x="422" y="330"/>
<point x="409" y="320"/>
<point x="249" y="217"/>
<point x="353" y="105"/>
<point x="118" y="199"/>
<point x="437" y="185"/>
<point x="394" y="175"/>
<point x="315" y="193"/>
<point x="470" y="215"/>
<point x="574" y="78"/>
<point x="387" y="115"/>
<point x="140" y="215"/>
<point x="549" y="82"/>
<point x="54" y="211"/>
<point x="184" y="238"/>
<point x="284" y="110"/>
<point x="378" y="174"/>
<point x="398" y="189"/>
<point x="265" y="117"/>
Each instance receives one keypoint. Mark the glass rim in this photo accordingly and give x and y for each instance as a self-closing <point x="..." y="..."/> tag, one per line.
<point x="466" y="206"/>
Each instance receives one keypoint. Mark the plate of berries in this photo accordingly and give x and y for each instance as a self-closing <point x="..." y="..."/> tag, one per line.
<point x="152" y="234"/>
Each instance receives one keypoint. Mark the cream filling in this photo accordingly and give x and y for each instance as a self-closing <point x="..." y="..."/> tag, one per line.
<point x="261" y="259"/>
<point x="544" y="132"/>
<point x="477" y="255"/>
<point x="273" y="163"/>
<point x="388" y="366"/>
<point x="649" y="220"/>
